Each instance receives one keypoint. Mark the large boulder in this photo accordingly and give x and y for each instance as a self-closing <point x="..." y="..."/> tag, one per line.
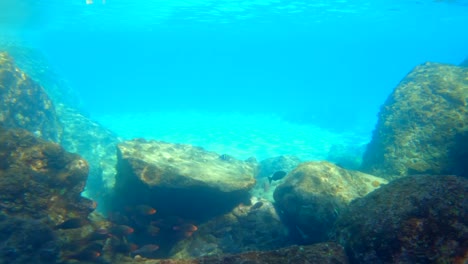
<point x="25" y="104"/>
<point x="422" y="127"/>
<point x="254" y="227"/>
<point x="314" y="194"/>
<point x="197" y="183"/>
<point x="40" y="187"/>
<point x="415" y="219"/>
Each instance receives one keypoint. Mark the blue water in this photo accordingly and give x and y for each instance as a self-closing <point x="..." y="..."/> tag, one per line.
<point x="328" y="63"/>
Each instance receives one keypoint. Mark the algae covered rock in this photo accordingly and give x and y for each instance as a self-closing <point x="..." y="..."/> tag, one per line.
<point x="40" y="187"/>
<point x="40" y="179"/>
<point x="251" y="227"/>
<point x="415" y="219"/>
<point x="422" y="127"/>
<point x="324" y="253"/>
<point x="25" y="104"/>
<point x="182" y="180"/>
<point x="313" y="195"/>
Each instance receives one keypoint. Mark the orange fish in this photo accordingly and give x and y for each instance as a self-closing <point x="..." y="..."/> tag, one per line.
<point x="121" y="230"/>
<point x="185" y="228"/>
<point x="145" y="210"/>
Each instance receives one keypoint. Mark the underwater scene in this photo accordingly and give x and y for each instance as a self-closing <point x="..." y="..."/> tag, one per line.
<point x="233" y="131"/>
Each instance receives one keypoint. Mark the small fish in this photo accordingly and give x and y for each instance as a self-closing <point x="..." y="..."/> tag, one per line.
<point x="226" y="157"/>
<point x="99" y="234"/>
<point x="256" y="205"/>
<point x="185" y="228"/>
<point x="145" y="210"/>
<point x="72" y="223"/>
<point x="121" y="230"/>
<point x="146" y="249"/>
<point x="85" y="255"/>
<point x="277" y="176"/>
<point x="152" y="230"/>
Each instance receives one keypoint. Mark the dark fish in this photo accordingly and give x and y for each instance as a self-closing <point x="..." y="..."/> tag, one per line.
<point x="277" y="176"/>
<point x="256" y="205"/>
<point x="72" y="223"/>
<point x="185" y="228"/>
<point x="226" y="157"/>
<point x="99" y="234"/>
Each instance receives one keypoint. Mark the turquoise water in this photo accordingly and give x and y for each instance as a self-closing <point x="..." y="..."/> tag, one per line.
<point x="310" y="72"/>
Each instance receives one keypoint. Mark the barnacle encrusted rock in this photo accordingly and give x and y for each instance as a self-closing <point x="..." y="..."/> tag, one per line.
<point x="154" y="172"/>
<point x="422" y="127"/>
<point x="415" y="219"/>
<point x="313" y="195"/>
<point x="25" y="104"/>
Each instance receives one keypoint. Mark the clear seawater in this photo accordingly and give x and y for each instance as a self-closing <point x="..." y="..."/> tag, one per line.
<point x="248" y="78"/>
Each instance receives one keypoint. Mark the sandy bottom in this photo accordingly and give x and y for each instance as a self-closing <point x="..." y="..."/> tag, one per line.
<point x="238" y="135"/>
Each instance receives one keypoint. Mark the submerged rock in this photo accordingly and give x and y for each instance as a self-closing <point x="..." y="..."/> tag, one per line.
<point x="322" y="253"/>
<point x="314" y="194"/>
<point x="24" y="103"/>
<point x="247" y="228"/>
<point x="101" y="156"/>
<point x="416" y="219"/>
<point x="40" y="187"/>
<point x="178" y="179"/>
<point x="422" y="125"/>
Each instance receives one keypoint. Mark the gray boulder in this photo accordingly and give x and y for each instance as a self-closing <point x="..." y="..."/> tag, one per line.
<point x="197" y="183"/>
<point x="313" y="195"/>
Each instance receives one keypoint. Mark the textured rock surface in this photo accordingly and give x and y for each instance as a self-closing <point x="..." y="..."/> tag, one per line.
<point x="197" y="183"/>
<point x="40" y="186"/>
<point x="422" y="126"/>
<point x="252" y="227"/>
<point x="24" y="104"/>
<point x="93" y="142"/>
<point x="416" y="219"/>
<point x="312" y="195"/>
<point x="317" y="253"/>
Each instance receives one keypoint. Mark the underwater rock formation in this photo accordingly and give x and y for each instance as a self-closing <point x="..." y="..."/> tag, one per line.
<point x="415" y="219"/>
<point x="422" y="125"/>
<point x="251" y="227"/>
<point x="281" y="163"/>
<point x="101" y="156"/>
<point x="313" y="195"/>
<point x="25" y="104"/>
<point x="40" y="187"/>
<point x="197" y="183"/>
<point x="323" y="253"/>
<point x="464" y="63"/>
<point x="36" y="66"/>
